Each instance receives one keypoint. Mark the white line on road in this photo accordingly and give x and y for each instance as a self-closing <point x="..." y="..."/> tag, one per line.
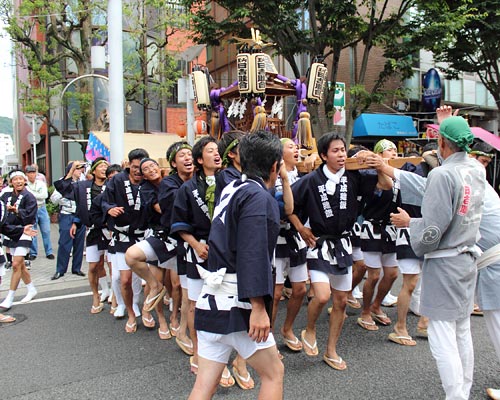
<point x="66" y="296"/>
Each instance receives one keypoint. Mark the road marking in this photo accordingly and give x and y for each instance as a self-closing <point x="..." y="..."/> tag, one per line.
<point x="66" y="296"/>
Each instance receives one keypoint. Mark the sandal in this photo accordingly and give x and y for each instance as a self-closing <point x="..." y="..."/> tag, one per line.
<point x="293" y="344"/>
<point x="131" y="328"/>
<point x="148" y="322"/>
<point x="382" y="319"/>
<point x="339" y="364"/>
<point x="226" y="380"/>
<point x="97" y="309"/>
<point x="6" y="319"/>
<point x="164" y="335"/>
<point x="151" y="302"/>
<point x="368" y="325"/>
<point x="186" y="347"/>
<point x="174" y="331"/>
<point x="246" y="383"/>
<point x="310" y="350"/>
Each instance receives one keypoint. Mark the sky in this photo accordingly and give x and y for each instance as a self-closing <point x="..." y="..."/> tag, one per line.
<point x="6" y="99"/>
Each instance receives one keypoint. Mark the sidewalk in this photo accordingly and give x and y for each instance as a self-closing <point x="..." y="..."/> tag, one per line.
<point x="42" y="269"/>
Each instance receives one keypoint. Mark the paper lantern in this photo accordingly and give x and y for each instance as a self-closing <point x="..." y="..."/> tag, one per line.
<point x="243" y="68"/>
<point x="316" y="81"/>
<point x="200" y="127"/>
<point x="201" y="92"/>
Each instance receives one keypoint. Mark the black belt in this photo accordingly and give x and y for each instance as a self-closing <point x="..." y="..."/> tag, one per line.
<point x="289" y="236"/>
<point x="336" y="251"/>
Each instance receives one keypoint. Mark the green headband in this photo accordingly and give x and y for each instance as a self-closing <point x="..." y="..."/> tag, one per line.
<point x="457" y="130"/>
<point x="284" y="140"/>
<point x="232" y="145"/>
<point x="383" y="145"/>
<point x="171" y="158"/>
<point x="92" y="169"/>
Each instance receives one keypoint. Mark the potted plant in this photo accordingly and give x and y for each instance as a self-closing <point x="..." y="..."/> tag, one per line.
<point x="52" y="209"/>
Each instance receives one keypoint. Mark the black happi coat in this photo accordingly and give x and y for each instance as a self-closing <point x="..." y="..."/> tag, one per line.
<point x="27" y="209"/>
<point x="190" y="214"/>
<point x="331" y="217"/>
<point x="128" y="228"/>
<point x="87" y="214"/>
<point x="243" y="236"/>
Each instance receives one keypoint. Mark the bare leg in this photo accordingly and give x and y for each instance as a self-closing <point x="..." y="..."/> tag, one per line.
<point x="336" y="323"/>
<point x="209" y="374"/>
<point x="271" y="372"/>
<point x="278" y="288"/>
<point x="95" y="269"/>
<point x="19" y="271"/>
<point x="358" y="272"/>
<point x="321" y="297"/>
<point x="126" y="288"/>
<point x="409" y="283"/>
<point x="176" y="299"/>
<point x="368" y="290"/>
<point x="136" y="260"/>
<point x="183" y="323"/>
<point x="390" y="275"/>
<point x="158" y="274"/>
<point x="192" y="331"/>
<point x="293" y="308"/>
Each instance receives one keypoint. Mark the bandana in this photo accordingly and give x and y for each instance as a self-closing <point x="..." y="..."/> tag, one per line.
<point x="144" y="160"/>
<point x="17" y="173"/>
<point x="481" y="153"/>
<point x="383" y="145"/>
<point x="94" y="166"/>
<point x="225" y="158"/>
<point x="176" y="150"/>
<point x="457" y="130"/>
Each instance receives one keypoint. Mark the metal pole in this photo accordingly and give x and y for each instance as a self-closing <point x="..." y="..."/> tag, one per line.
<point x="116" y="104"/>
<point x="190" y="111"/>
<point x="33" y="135"/>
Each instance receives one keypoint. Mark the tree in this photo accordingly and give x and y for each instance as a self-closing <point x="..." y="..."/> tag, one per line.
<point x="464" y="35"/>
<point x="332" y="26"/>
<point x="52" y="40"/>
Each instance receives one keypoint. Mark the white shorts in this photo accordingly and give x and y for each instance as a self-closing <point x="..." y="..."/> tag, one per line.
<point x="296" y="274"/>
<point x="342" y="283"/>
<point x="218" y="348"/>
<point x="148" y="250"/>
<point x="119" y="262"/>
<point x="184" y="281"/>
<point x="410" y="266"/>
<point x="93" y="254"/>
<point x="170" y="264"/>
<point x="194" y="288"/>
<point x="19" y="251"/>
<point x="357" y="254"/>
<point x="379" y="260"/>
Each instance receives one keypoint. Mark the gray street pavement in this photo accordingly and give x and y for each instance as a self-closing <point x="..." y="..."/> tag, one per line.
<point x="58" y="350"/>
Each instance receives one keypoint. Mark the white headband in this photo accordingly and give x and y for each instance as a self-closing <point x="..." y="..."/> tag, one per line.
<point x="17" y="173"/>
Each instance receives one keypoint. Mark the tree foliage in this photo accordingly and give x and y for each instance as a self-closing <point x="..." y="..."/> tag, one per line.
<point x="463" y="35"/>
<point x="52" y="42"/>
<point x="330" y="27"/>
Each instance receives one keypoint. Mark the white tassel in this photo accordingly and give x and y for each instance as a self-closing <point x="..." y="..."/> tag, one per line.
<point x="243" y="108"/>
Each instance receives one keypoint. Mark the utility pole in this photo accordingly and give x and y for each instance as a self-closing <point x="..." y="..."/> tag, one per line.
<point x="116" y="103"/>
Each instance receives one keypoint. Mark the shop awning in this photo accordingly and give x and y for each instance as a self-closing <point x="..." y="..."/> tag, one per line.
<point x="480" y="133"/>
<point x="384" y="125"/>
<point x="156" y="144"/>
